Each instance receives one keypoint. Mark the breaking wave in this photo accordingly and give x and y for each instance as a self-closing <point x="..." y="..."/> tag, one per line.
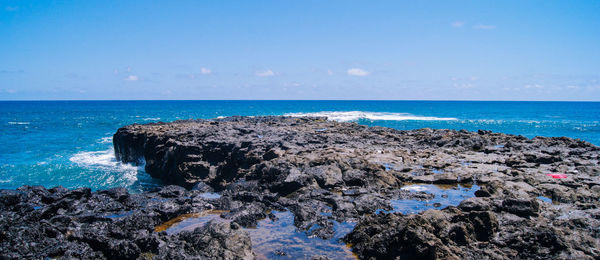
<point x="347" y="116"/>
<point x="104" y="161"/>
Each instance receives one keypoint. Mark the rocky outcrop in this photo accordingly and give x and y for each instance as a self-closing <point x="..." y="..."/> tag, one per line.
<point x="530" y="198"/>
<point x="288" y="154"/>
<point x="323" y="171"/>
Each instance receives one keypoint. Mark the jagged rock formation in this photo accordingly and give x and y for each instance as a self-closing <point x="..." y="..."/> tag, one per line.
<point x="309" y="158"/>
<point x="538" y="198"/>
<point x="112" y="224"/>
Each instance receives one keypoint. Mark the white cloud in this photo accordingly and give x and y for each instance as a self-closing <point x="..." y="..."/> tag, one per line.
<point x="572" y="87"/>
<point x="538" y="86"/>
<point x="357" y="72"/>
<point x="457" y="24"/>
<point x="484" y="27"/>
<point x="265" y="73"/>
<point x="131" y="78"/>
<point x="205" y="71"/>
<point x="329" y="72"/>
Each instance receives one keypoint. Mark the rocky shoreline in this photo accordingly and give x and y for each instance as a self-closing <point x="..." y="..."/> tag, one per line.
<point x="386" y="193"/>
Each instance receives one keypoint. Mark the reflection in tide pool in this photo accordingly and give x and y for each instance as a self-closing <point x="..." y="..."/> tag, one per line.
<point x="210" y="195"/>
<point x="545" y="199"/>
<point x="273" y="239"/>
<point x="190" y="221"/>
<point x="281" y="239"/>
<point x="444" y="195"/>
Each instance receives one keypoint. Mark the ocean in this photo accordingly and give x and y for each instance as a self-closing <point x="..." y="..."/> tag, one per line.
<point x="69" y="143"/>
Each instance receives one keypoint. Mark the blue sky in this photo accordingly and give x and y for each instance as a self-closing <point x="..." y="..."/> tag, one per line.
<point x="424" y="50"/>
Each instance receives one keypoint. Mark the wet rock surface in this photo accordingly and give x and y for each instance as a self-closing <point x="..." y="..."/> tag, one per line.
<point x="111" y="224"/>
<point x="479" y="229"/>
<point x="497" y="196"/>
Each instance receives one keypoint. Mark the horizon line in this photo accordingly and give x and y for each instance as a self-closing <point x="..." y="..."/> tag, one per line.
<point x="384" y="100"/>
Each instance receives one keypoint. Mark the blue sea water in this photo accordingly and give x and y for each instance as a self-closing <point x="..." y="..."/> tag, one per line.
<point x="69" y="143"/>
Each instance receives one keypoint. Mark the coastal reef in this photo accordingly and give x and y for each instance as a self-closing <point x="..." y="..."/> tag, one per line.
<point x="306" y="187"/>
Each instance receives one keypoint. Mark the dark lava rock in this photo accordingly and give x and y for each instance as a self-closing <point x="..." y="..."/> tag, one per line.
<point x="453" y="233"/>
<point x="347" y="173"/>
<point x="214" y="240"/>
<point x="350" y="171"/>
<point x="480" y="228"/>
<point x="109" y="224"/>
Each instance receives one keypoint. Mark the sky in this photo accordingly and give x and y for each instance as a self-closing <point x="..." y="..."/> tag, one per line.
<point x="287" y="49"/>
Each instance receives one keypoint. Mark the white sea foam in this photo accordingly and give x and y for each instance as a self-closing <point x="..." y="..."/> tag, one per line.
<point x="347" y="116"/>
<point x="152" y="119"/>
<point x="414" y="188"/>
<point x="509" y="121"/>
<point x="106" y="140"/>
<point x="18" y="123"/>
<point x="105" y="161"/>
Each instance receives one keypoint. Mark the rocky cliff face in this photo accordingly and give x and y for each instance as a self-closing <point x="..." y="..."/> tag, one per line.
<point x="287" y="154"/>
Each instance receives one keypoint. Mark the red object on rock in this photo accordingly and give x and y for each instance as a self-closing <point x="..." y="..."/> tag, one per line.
<point x="557" y="175"/>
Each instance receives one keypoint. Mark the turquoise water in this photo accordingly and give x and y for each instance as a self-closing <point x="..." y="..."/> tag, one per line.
<point x="69" y="142"/>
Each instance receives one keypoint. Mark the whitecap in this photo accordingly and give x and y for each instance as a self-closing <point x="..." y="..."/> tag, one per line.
<point x="105" y="161"/>
<point x="152" y="119"/>
<point x="347" y="116"/>
<point x="19" y="123"/>
<point x="106" y="140"/>
<point x="506" y="121"/>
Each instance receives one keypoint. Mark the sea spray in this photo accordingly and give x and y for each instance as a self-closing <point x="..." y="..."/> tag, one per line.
<point x="348" y="116"/>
